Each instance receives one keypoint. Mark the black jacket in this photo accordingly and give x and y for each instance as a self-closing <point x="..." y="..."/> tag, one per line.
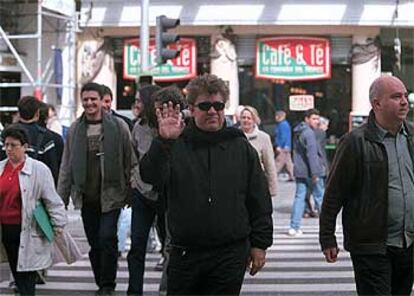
<point x="48" y="150"/>
<point x="358" y="183"/>
<point x="125" y="119"/>
<point x="216" y="190"/>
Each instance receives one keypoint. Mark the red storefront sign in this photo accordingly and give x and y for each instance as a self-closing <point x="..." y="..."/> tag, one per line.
<point x="293" y="58"/>
<point x="181" y="68"/>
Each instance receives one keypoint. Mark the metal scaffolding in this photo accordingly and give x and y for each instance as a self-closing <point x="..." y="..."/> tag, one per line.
<point x="41" y="80"/>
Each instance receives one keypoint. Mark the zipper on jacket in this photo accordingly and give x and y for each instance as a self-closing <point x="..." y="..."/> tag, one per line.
<point x="210" y="195"/>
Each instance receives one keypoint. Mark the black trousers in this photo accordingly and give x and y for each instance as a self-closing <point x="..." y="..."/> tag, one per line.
<point x="143" y="215"/>
<point x="25" y="281"/>
<point x="389" y="274"/>
<point x="101" y="232"/>
<point x="217" y="271"/>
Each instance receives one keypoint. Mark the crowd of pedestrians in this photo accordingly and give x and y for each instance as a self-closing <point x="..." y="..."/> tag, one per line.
<point x="206" y="186"/>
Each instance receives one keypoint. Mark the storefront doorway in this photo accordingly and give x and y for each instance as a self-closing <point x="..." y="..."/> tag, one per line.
<point x="332" y="97"/>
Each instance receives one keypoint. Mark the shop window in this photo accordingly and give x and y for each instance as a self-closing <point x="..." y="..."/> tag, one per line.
<point x="332" y="96"/>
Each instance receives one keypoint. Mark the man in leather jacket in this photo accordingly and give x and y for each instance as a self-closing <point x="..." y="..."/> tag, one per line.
<point x="372" y="181"/>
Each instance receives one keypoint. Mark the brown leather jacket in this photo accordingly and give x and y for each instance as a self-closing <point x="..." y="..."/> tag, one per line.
<point x="358" y="184"/>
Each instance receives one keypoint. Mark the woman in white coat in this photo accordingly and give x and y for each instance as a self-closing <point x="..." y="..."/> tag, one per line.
<point x="249" y="121"/>
<point x="24" y="182"/>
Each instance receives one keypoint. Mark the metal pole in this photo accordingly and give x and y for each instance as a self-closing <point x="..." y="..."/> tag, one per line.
<point x="14" y="84"/>
<point x="38" y="90"/>
<point x="144" y="37"/>
<point x="22" y="36"/>
<point x="16" y="55"/>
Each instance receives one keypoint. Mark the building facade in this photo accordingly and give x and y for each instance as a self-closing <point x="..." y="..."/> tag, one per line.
<point x="229" y="38"/>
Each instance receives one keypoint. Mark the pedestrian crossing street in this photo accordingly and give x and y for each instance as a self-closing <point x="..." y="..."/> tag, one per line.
<point x="295" y="266"/>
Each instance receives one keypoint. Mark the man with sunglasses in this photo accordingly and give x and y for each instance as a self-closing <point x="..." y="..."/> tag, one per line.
<point x="218" y="204"/>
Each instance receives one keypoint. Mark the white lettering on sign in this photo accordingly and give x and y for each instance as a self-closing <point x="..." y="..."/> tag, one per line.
<point x="277" y="56"/>
<point x="184" y="57"/>
<point x="320" y="56"/>
<point x="265" y="60"/>
<point x="133" y="56"/>
<point x="299" y="55"/>
<point x="287" y="54"/>
<point x="317" y="54"/>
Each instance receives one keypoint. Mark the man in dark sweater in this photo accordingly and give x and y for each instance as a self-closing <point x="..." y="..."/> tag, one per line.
<point x="218" y="204"/>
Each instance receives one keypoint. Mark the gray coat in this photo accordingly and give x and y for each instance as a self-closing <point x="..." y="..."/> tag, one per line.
<point x="36" y="183"/>
<point x="112" y="197"/>
<point x="142" y="136"/>
<point x="263" y="145"/>
<point x="307" y="155"/>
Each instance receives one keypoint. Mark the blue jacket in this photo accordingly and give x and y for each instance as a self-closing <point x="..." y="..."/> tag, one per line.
<point x="283" y="134"/>
<point x="307" y="154"/>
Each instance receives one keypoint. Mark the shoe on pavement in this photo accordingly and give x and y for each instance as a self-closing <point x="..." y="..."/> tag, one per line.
<point x="13" y="286"/>
<point x="160" y="264"/>
<point x="105" y="291"/>
<point x="314" y="214"/>
<point x="295" y="232"/>
<point x="40" y="277"/>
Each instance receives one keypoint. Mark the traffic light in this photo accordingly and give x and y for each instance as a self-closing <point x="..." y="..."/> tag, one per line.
<point x="163" y="39"/>
<point x="397" y="53"/>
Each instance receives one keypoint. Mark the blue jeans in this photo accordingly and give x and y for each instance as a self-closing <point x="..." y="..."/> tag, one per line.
<point x="298" y="208"/>
<point x="124" y="226"/>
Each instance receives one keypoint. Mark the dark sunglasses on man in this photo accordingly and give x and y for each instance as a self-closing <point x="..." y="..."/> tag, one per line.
<point x="205" y="106"/>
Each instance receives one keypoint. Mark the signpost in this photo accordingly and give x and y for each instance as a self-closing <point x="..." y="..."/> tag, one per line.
<point x="293" y="58"/>
<point x="183" y="67"/>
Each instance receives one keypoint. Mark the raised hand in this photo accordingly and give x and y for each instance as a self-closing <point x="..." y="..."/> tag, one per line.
<point x="170" y="122"/>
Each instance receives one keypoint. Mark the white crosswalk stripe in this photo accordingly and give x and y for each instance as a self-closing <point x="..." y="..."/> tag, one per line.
<point x="295" y="266"/>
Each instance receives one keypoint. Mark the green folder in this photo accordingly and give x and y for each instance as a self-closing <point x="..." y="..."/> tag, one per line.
<point x="43" y="220"/>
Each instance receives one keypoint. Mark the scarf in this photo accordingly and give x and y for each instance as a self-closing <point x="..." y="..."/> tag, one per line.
<point x="111" y="153"/>
<point x="253" y="135"/>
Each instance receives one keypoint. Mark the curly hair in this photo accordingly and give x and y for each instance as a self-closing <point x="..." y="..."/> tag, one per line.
<point x="167" y="94"/>
<point x="206" y="84"/>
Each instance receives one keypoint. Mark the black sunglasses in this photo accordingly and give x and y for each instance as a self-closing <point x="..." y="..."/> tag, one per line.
<point x="205" y="106"/>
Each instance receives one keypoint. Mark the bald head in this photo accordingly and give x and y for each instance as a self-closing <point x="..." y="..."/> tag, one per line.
<point x="379" y="86"/>
<point x="389" y="100"/>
